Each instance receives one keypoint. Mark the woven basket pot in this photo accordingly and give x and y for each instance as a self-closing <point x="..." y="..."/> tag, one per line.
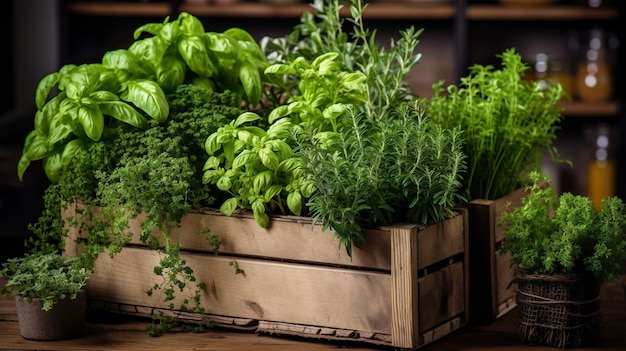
<point x="558" y="310"/>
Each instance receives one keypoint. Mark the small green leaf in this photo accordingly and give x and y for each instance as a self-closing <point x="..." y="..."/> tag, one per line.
<point x="190" y="25"/>
<point x="294" y="202"/>
<point x="251" y="81"/>
<point x="44" y="87"/>
<point x="229" y="206"/>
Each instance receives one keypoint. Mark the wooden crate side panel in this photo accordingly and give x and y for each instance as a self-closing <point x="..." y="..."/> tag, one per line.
<point x="441" y="241"/>
<point x="274" y="291"/>
<point x="441" y="296"/>
<point x="505" y="290"/>
<point x="515" y="200"/>
<point x="286" y="238"/>
<point x="482" y="260"/>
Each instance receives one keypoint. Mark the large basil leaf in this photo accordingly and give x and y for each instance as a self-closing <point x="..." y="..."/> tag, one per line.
<point x="147" y="96"/>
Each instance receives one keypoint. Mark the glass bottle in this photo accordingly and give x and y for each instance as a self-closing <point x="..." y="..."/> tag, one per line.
<point x="601" y="169"/>
<point x="594" y="74"/>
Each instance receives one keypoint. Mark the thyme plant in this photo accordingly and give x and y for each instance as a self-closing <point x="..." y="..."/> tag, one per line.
<point x="507" y="123"/>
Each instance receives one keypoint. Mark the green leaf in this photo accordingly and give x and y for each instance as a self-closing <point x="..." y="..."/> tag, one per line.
<point x="92" y="121"/>
<point x="170" y="32"/>
<point x="212" y="144"/>
<point x="245" y="158"/>
<point x="124" y="112"/>
<point x="190" y="25"/>
<point x="229" y="206"/>
<point x="149" y="50"/>
<point x="52" y="166"/>
<point x="171" y="72"/>
<point x="152" y="28"/>
<point x="71" y="149"/>
<point x="251" y="81"/>
<point x="294" y="202"/>
<point x="245" y="118"/>
<point x="211" y="163"/>
<point x="277" y="113"/>
<point x="262" y="180"/>
<point x="269" y="158"/>
<point x="44" y="87"/>
<point x="272" y="192"/>
<point x="147" y="96"/>
<point x="35" y="146"/>
<point x="125" y="60"/>
<point x="239" y="34"/>
<point x="22" y="166"/>
<point x="194" y="53"/>
<point x="262" y="219"/>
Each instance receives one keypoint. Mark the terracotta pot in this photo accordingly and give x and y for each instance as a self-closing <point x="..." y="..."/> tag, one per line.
<point x="65" y="320"/>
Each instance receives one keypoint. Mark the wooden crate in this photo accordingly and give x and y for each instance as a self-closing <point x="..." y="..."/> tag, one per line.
<point x="407" y="287"/>
<point x="492" y="293"/>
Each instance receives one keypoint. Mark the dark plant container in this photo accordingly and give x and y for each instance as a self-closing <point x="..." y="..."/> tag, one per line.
<point x="558" y="310"/>
<point x="66" y="319"/>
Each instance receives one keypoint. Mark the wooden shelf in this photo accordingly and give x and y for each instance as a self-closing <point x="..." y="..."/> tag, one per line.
<point x="591" y="109"/>
<point x="260" y="10"/>
<point x="373" y="11"/>
<point x="122" y="9"/>
<point x="536" y="13"/>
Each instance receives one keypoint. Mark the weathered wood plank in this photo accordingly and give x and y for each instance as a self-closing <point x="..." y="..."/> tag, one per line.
<point x="276" y="291"/>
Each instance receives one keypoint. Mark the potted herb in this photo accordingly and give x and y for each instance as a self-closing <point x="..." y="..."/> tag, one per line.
<point x="49" y="294"/>
<point x="508" y="122"/>
<point x="564" y="250"/>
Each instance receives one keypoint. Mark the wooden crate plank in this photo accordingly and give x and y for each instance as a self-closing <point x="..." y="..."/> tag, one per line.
<point x="490" y="272"/>
<point x="505" y="289"/>
<point x="483" y="273"/>
<point x="404" y="288"/>
<point x="441" y="296"/>
<point x="284" y="239"/>
<point x="277" y="291"/>
<point x="441" y="241"/>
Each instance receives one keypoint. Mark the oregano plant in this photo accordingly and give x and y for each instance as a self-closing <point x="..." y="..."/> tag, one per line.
<point x="565" y="234"/>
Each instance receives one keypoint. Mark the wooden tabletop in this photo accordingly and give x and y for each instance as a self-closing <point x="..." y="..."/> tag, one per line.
<point x="123" y="333"/>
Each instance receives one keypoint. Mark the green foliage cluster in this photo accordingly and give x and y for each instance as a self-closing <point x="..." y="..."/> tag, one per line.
<point x="131" y="171"/>
<point x="328" y="129"/>
<point x="130" y="84"/>
<point x="566" y="234"/>
<point x="507" y="122"/>
<point x="353" y="142"/>
<point x="47" y="276"/>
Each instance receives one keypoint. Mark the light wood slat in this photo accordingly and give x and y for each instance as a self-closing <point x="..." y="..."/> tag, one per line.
<point x="275" y="291"/>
